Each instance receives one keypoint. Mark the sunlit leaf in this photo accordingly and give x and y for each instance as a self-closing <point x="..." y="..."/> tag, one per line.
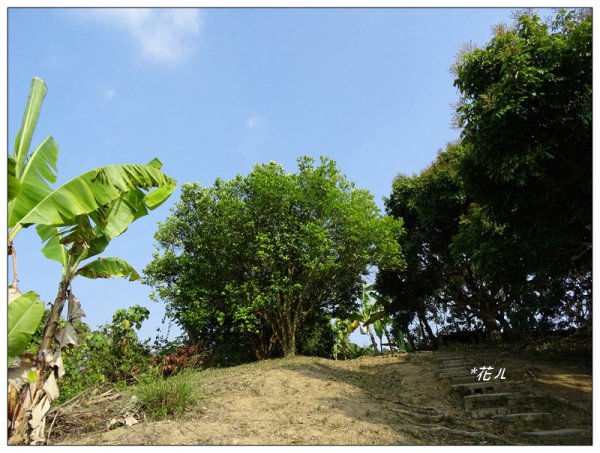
<point x="24" y="316"/>
<point x="108" y="268"/>
<point x="94" y="189"/>
<point x="38" y="174"/>
<point x="37" y="92"/>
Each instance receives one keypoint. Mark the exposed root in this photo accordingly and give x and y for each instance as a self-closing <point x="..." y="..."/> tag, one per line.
<point x="414" y="430"/>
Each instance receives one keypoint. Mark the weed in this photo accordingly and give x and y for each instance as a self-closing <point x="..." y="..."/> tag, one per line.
<point x="164" y="398"/>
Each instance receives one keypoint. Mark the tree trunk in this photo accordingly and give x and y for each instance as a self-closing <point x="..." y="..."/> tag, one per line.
<point x="288" y="343"/>
<point x="389" y="341"/>
<point x="491" y="327"/>
<point x="410" y="339"/>
<point x="32" y="393"/>
<point x="423" y="320"/>
<point x="13" y="253"/>
<point x="373" y="340"/>
<point x="285" y="331"/>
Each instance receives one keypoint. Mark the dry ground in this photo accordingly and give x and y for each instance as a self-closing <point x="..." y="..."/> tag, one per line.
<point x="384" y="400"/>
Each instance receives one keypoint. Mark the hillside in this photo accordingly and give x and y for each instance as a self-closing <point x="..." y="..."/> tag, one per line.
<point x="401" y="399"/>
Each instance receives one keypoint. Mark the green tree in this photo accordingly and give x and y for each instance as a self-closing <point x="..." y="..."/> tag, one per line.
<point x="526" y="118"/>
<point x="431" y="205"/>
<point x="257" y="255"/>
<point x="459" y="262"/>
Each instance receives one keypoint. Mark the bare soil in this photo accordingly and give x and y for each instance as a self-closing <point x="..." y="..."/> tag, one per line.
<point x="393" y="399"/>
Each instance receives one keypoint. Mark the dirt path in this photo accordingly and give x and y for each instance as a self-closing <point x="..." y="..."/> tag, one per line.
<point x="388" y="400"/>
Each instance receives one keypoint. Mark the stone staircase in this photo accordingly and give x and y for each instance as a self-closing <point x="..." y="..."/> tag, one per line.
<point x="508" y="412"/>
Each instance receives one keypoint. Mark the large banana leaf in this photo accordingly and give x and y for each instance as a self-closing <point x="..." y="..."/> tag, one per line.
<point x="53" y="249"/>
<point x="92" y="239"/>
<point x="24" y="315"/>
<point x="378" y="328"/>
<point x="94" y="190"/>
<point x="99" y="268"/>
<point x="108" y="268"/>
<point x="37" y="92"/>
<point x="376" y="317"/>
<point x="39" y="171"/>
<point x="114" y="219"/>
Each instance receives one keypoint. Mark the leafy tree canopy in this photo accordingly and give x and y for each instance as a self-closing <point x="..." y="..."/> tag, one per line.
<point x="499" y="226"/>
<point x="526" y="114"/>
<point x="251" y="259"/>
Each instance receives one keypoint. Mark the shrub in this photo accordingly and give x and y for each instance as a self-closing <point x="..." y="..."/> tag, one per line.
<point x="111" y="354"/>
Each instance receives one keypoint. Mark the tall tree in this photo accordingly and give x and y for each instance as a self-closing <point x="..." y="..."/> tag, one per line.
<point x="526" y="114"/>
<point x="459" y="262"/>
<point x="257" y="255"/>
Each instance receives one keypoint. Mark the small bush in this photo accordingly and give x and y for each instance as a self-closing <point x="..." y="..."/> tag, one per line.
<point x="167" y="397"/>
<point x="184" y="356"/>
<point x="111" y="354"/>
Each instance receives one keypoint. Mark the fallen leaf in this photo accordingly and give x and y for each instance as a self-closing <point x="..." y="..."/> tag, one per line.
<point x="130" y="420"/>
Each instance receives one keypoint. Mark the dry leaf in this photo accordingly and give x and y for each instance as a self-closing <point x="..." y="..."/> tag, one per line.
<point x="130" y="420"/>
<point x="38" y="421"/>
<point x="51" y="387"/>
<point x="75" y="311"/>
<point x="54" y="359"/>
<point x="66" y="336"/>
<point x="13" y="293"/>
<point x="17" y="375"/>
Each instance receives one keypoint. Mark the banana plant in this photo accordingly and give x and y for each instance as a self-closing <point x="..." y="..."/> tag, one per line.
<point x="367" y="311"/>
<point x="73" y="246"/>
<point x="76" y="221"/>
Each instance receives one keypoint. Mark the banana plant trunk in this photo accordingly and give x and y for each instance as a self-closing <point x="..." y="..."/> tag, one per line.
<point x="373" y="340"/>
<point x="31" y="400"/>
<point x="13" y="253"/>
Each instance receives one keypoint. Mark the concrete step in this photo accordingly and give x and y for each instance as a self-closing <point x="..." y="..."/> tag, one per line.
<point x="490" y="412"/>
<point x="484" y="401"/>
<point x="454" y="372"/>
<point x="456" y="363"/>
<point x="463" y="379"/>
<point x="476" y="388"/>
<point x="566" y="436"/>
<point x="442" y="358"/>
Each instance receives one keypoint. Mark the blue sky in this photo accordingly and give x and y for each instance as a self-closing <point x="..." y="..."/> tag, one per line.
<point x="212" y="92"/>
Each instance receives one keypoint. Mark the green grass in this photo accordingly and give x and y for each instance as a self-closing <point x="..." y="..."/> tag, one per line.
<point x="164" y="398"/>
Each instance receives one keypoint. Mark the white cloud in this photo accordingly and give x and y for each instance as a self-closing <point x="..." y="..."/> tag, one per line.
<point x="165" y="36"/>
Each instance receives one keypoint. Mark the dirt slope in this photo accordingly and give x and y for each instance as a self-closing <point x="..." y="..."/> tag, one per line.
<point x="386" y="400"/>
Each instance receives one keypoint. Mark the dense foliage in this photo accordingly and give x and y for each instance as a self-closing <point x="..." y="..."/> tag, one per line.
<point x="492" y="240"/>
<point x="499" y="226"/>
<point x="249" y="263"/>
<point x="526" y="113"/>
<point x="111" y="354"/>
